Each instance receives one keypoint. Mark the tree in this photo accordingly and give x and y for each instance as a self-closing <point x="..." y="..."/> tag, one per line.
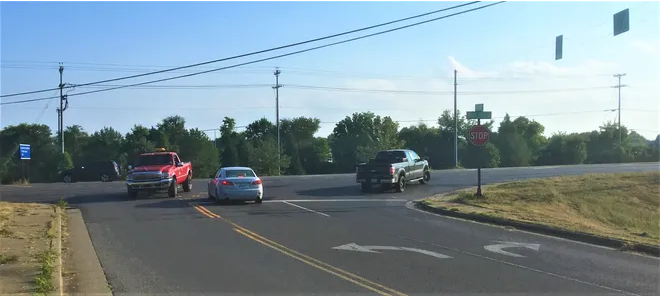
<point x="486" y="156"/>
<point x="104" y="144"/>
<point x="44" y="154"/>
<point x="65" y="162"/>
<point x="260" y="129"/>
<point x="360" y="136"/>
<point x="299" y="135"/>
<point x="75" y="139"/>
<point x="264" y="157"/>
<point x="174" y="129"/>
<point x="228" y="143"/>
<point x="137" y="142"/>
<point x="197" y="148"/>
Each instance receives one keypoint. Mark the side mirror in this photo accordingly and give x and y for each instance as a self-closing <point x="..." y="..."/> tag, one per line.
<point x="180" y="164"/>
<point x="404" y="159"/>
<point x="130" y="167"/>
<point x="426" y="157"/>
<point x="211" y="176"/>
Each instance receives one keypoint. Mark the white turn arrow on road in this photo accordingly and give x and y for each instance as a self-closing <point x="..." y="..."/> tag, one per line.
<point x="371" y="249"/>
<point x="497" y="248"/>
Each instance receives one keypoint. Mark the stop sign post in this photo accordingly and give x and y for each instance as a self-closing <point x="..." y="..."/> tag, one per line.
<point x="479" y="135"/>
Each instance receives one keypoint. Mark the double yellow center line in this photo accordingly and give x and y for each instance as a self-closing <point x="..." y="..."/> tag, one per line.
<point x="353" y="278"/>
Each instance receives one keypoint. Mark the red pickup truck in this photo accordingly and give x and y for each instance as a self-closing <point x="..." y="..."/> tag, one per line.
<point x="159" y="171"/>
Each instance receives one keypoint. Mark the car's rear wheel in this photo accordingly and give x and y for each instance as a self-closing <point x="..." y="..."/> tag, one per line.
<point x="258" y="200"/>
<point x="365" y="187"/>
<point x="67" y="178"/>
<point x="172" y="190"/>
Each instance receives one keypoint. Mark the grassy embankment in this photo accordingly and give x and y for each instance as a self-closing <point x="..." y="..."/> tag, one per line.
<point x="622" y="206"/>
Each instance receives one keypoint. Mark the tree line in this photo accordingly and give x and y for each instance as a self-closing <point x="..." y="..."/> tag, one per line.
<point x="515" y="143"/>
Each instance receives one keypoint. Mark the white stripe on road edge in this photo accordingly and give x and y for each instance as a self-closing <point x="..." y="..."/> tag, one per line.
<point x="310" y="210"/>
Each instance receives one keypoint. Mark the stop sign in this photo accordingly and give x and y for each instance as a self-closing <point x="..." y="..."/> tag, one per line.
<point x="479" y="135"/>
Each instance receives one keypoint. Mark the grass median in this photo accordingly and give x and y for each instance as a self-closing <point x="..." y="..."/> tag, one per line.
<point x="624" y="206"/>
<point x="27" y="258"/>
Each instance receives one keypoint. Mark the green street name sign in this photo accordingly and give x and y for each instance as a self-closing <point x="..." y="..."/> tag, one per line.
<point x="479" y="115"/>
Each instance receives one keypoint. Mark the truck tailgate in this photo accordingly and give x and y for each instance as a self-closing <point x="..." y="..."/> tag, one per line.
<point x="374" y="171"/>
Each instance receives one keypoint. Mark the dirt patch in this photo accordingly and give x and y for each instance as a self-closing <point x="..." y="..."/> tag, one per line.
<point x="622" y="206"/>
<point x="25" y="234"/>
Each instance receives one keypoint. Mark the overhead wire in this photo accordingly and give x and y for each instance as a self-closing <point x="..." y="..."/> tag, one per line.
<point x="345" y="89"/>
<point x="275" y="48"/>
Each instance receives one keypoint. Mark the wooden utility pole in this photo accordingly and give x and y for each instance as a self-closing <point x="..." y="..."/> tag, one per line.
<point x="277" y="87"/>
<point x="619" y="86"/>
<point x="455" y="114"/>
<point x="60" y="111"/>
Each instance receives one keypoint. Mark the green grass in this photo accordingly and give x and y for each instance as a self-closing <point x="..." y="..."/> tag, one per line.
<point x="623" y="206"/>
<point x="62" y="203"/>
<point x="44" y="281"/>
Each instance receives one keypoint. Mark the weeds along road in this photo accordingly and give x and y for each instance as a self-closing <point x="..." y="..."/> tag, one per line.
<point x="320" y="235"/>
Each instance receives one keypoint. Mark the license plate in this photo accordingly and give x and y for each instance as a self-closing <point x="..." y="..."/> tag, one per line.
<point x="243" y="185"/>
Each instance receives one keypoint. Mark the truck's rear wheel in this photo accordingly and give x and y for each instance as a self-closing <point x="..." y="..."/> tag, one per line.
<point x="188" y="184"/>
<point x="401" y="185"/>
<point x="426" y="177"/>
<point x="365" y="187"/>
<point x="172" y="190"/>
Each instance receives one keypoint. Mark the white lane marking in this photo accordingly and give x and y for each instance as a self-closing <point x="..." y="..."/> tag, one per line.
<point x="338" y="200"/>
<point x="371" y="249"/>
<point x="310" y="210"/>
<point x="410" y="205"/>
<point x="498" y="248"/>
<point x="516" y="265"/>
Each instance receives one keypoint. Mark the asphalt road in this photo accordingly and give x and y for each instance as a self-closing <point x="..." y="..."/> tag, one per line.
<point x="285" y="246"/>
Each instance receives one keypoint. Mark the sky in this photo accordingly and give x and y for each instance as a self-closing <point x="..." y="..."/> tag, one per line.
<point x="504" y="56"/>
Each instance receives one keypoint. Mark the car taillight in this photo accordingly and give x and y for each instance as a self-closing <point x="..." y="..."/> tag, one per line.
<point x="392" y="170"/>
<point x="225" y="182"/>
<point x="257" y="182"/>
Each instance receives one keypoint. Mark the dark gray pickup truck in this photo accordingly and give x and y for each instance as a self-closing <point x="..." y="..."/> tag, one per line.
<point x="393" y="169"/>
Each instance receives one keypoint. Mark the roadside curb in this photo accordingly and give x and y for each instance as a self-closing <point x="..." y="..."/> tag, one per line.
<point x="544" y="229"/>
<point x="56" y="242"/>
<point x="89" y="277"/>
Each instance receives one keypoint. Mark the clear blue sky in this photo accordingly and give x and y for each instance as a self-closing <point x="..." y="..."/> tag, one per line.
<point x="99" y="40"/>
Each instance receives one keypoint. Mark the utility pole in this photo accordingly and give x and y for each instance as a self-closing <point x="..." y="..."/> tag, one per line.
<point x="455" y="113"/>
<point x="60" y="111"/>
<point x="619" y="86"/>
<point x="276" y="87"/>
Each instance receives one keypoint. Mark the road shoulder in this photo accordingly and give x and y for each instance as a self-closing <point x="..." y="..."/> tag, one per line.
<point x="84" y="275"/>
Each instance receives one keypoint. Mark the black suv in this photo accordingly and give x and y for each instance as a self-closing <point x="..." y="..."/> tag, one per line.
<point x="104" y="170"/>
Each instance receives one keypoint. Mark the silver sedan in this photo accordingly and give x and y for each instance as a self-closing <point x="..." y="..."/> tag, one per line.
<point x="235" y="183"/>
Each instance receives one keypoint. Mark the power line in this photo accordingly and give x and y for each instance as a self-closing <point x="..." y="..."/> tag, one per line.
<point x="327" y="73"/>
<point x="343" y="89"/>
<point x="280" y="47"/>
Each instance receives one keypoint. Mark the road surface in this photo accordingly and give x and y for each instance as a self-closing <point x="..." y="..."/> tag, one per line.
<point x="320" y="235"/>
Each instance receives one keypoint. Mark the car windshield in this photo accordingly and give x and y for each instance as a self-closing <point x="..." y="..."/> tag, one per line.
<point x="154" y="160"/>
<point x="239" y="173"/>
<point x="390" y="156"/>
